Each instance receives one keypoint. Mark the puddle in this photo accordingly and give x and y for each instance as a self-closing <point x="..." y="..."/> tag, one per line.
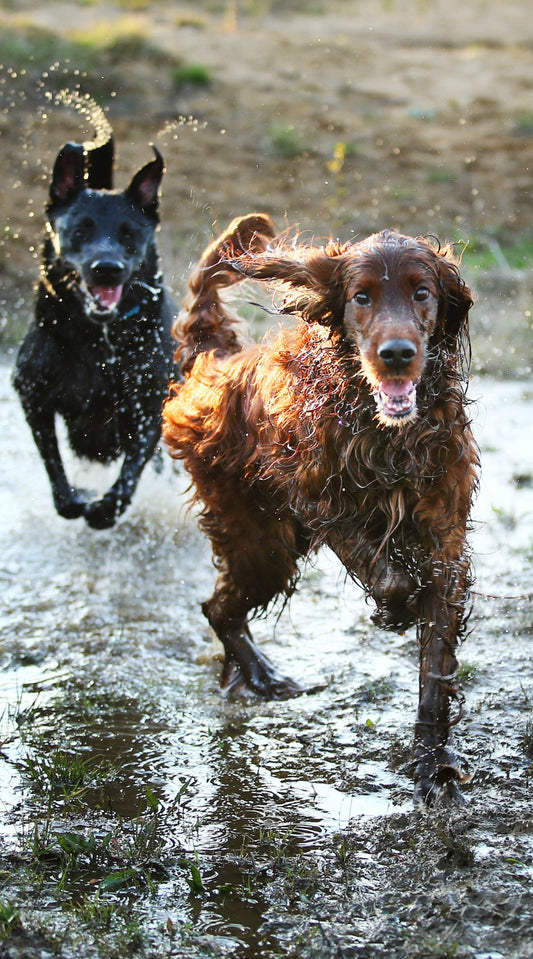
<point x="106" y="656"/>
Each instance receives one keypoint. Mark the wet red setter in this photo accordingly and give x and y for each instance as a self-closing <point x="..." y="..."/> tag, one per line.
<point x="349" y="430"/>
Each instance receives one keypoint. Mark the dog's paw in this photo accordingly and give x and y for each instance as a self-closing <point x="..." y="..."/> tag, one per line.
<point x="437" y="782"/>
<point x="265" y="682"/>
<point x="394" y="594"/>
<point x="396" y="619"/>
<point x="71" y="505"/>
<point x="103" y="513"/>
<point x="438" y="790"/>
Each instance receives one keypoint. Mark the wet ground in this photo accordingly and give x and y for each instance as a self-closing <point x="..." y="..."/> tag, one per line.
<point x="143" y="813"/>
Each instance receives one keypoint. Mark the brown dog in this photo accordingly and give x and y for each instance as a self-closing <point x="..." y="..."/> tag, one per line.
<point x="350" y="431"/>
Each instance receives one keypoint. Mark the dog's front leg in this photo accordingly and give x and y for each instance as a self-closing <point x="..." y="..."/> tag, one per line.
<point x="390" y="586"/>
<point x="442" y="608"/>
<point x="104" y="512"/>
<point x="68" y="501"/>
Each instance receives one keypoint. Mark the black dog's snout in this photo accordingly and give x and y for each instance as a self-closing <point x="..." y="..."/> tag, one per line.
<point x="107" y="271"/>
<point x="397" y="353"/>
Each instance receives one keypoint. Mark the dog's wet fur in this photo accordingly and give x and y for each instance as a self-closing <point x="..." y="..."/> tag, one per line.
<point x="99" y="352"/>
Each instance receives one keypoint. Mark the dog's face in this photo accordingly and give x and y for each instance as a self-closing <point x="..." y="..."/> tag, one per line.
<point x="101" y="237"/>
<point x="393" y="300"/>
<point x="393" y="294"/>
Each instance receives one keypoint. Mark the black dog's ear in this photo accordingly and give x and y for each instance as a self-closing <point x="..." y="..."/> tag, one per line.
<point x="144" y="188"/>
<point x="100" y="162"/>
<point x="456" y="297"/>
<point x="68" y="177"/>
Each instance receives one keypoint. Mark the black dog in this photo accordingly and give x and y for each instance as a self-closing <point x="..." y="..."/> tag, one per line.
<point x="99" y="352"/>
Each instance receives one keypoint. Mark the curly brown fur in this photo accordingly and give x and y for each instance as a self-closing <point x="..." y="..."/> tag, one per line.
<point x="350" y="430"/>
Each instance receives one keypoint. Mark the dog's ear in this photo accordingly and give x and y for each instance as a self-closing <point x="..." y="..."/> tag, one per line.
<point x="68" y="177"/>
<point x="100" y="162"/>
<point x="456" y="297"/>
<point x="144" y="188"/>
<point x="310" y="277"/>
<point x="245" y="234"/>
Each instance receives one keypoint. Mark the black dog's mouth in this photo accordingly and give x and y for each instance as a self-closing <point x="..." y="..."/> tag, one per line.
<point x="104" y="300"/>
<point x="396" y="401"/>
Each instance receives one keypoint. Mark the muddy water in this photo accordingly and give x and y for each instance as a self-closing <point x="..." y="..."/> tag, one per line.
<point x="105" y="655"/>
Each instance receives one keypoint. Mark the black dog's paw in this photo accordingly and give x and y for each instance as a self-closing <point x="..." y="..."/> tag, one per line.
<point x="71" y="505"/>
<point x="103" y="513"/>
<point x="432" y="792"/>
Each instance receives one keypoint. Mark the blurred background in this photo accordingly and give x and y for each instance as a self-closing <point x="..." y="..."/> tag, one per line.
<point x="337" y="118"/>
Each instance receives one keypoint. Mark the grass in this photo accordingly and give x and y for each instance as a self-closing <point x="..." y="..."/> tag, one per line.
<point x="375" y="690"/>
<point x="191" y="75"/>
<point x="285" y="142"/>
<point x="26" y="46"/>
<point x="113" y="859"/>
<point x="65" y="774"/>
<point x="9" y="919"/>
<point x="467" y="673"/>
<point x="489" y="253"/>
<point x="441" y="175"/>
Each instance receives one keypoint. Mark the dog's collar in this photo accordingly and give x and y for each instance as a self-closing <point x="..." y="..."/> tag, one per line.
<point x="133" y="312"/>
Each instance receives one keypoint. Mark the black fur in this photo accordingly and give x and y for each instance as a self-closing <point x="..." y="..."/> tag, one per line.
<point x="99" y="351"/>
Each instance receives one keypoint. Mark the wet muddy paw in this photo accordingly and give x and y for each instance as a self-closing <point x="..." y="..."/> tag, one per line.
<point x="394" y="595"/>
<point x="267" y="683"/>
<point x="439" y="788"/>
<point x="103" y="513"/>
<point x="397" y="620"/>
<point x="71" y="505"/>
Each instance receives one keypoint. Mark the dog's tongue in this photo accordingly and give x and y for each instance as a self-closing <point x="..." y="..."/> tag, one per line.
<point x="397" y="397"/>
<point x="107" y="296"/>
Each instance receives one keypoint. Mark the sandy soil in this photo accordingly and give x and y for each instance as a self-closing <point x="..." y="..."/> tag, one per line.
<point x="337" y="119"/>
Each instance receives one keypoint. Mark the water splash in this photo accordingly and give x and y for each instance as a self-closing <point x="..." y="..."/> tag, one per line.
<point x="172" y="128"/>
<point x="86" y="107"/>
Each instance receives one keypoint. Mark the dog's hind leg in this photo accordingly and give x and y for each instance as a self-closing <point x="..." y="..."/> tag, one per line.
<point x="256" y="561"/>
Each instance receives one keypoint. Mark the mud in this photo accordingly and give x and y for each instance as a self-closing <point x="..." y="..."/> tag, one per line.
<point x="140" y="812"/>
<point x="201" y="827"/>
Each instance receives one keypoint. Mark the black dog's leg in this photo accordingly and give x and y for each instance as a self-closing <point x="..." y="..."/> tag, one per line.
<point x="104" y="512"/>
<point x="68" y="500"/>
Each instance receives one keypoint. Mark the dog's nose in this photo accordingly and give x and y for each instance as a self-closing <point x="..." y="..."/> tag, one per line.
<point x="397" y="353"/>
<point x="107" y="271"/>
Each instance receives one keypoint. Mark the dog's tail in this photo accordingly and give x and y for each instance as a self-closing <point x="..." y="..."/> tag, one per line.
<point x="206" y="322"/>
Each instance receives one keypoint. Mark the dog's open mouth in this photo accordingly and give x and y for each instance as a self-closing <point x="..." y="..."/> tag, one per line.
<point x="396" y="400"/>
<point x="105" y="299"/>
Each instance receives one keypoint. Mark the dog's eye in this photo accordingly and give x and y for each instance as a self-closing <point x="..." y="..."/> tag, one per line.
<point x="362" y="298"/>
<point x="127" y="237"/>
<point x="82" y="232"/>
<point x="421" y="294"/>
